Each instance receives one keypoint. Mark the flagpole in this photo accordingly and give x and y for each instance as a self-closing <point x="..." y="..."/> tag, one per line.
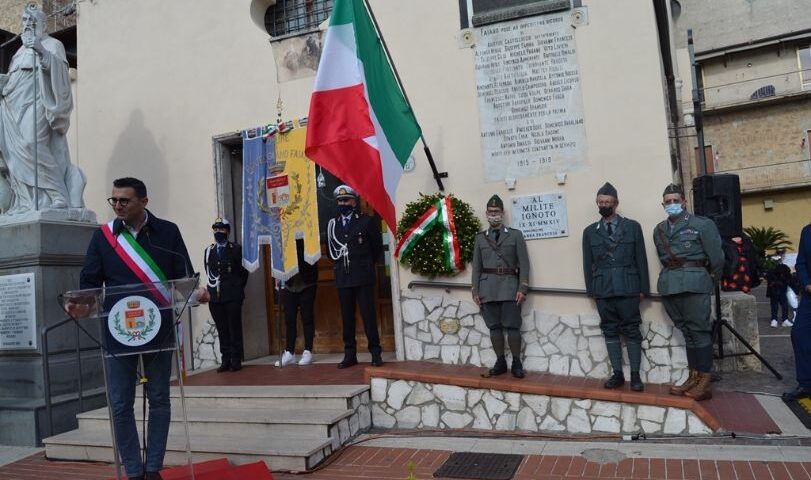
<point x="438" y="176"/>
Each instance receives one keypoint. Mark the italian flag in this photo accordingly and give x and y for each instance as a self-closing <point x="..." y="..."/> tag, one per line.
<point x="360" y="126"/>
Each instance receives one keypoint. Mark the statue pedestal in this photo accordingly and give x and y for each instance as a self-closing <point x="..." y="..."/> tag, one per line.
<point x="82" y="215"/>
<point x="52" y="254"/>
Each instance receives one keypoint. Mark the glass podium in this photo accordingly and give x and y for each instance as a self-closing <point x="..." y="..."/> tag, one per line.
<point x="136" y="319"/>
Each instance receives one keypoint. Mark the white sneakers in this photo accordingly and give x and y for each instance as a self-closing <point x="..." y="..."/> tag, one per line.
<point x="306" y="358"/>
<point x="786" y="323"/>
<point x="290" y="358"/>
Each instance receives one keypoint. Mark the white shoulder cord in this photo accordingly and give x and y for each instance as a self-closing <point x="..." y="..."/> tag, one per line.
<point x="212" y="281"/>
<point x="336" y="248"/>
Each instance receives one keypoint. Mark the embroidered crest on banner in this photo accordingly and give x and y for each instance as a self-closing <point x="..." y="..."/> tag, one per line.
<point x="134" y="320"/>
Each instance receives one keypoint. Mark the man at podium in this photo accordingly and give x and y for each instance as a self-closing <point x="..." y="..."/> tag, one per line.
<point x="134" y="248"/>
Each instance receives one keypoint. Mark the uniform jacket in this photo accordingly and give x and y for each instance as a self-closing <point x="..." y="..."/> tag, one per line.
<point x="692" y="238"/>
<point x="228" y="265"/>
<point x="803" y="265"/>
<point x="493" y="287"/>
<point x="364" y="240"/>
<point x="160" y="238"/>
<point x="616" y="265"/>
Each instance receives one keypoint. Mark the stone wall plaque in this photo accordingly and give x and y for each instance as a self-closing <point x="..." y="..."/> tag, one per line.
<point x="18" y="316"/>
<point x="542" y="215"/>
<point x="530" y="105"/>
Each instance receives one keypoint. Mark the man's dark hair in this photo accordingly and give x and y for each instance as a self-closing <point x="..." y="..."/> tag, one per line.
<point x="133" y="183"/>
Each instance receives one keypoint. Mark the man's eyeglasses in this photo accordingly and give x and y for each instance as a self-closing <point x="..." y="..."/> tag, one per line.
<point x="121" y="201"/>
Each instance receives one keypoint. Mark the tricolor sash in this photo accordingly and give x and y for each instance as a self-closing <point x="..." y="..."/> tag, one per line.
<point x="139" y="262"/>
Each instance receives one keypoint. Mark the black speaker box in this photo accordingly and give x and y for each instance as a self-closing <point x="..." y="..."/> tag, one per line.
<point x="718" y="197"/>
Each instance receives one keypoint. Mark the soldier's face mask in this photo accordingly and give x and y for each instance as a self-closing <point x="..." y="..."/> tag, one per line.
<point x="220" y="236"/>
<point x="673" y="209"/>
<point x="346" y="209"/>
<point x="606" y="210"/>
<point x="494" y="219"/>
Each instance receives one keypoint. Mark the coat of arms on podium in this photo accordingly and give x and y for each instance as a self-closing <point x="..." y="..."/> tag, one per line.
<point x="134" y="320"/>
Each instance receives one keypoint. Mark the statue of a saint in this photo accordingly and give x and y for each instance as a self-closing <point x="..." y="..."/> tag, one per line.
<point x="36" y="94"/>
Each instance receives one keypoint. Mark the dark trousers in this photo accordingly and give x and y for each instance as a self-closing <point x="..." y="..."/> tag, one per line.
<point x="228" y="320"/>
<point x="620" y="316"/>
<point x="801" y="341"/>
<point x="364" y="298"/>
<point x="779" y="301"/>
<point x="293" y="302"/>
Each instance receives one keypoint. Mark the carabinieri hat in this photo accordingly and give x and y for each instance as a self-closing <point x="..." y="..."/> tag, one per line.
<point x="221" y="222"/>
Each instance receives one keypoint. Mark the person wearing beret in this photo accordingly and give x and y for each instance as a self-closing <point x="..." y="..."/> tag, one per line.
<point x="226" y="279"/>
<point x="355" y="245"/>
<point x="615" y="269"/>
<point x="500" y="278"/>
<point x="692" y="257"/>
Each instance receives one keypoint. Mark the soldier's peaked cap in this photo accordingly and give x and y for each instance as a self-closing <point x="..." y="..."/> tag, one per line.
<point x="673" y="188"/>
<point x="221" y="222"/>
<point x="608" y="189"/>
<point x="344" y="191"/>
<point x="495" y="202"/>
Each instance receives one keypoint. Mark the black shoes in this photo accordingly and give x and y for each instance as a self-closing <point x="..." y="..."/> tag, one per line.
<point x="350" y="362"/>
<point x="236" y="366"/>
<point x="797" y="393"/>
<point x="377" y="360"/>
<point x="636" y="382"/>
<point x="224" y="367"/>
<point x="517" y="369"/>
<point x="617" y="380"/>
<point x="153" y="476"/>
<point x="500" y="367"/>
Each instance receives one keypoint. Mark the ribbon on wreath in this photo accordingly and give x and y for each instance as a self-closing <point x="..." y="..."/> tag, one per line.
<point x="439" y="215"/>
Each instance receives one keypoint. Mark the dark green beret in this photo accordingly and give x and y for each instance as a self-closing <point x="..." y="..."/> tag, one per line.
<point x="495" y="202"/>
<point x="608" y="189"/>
<point x="673" y="188"/>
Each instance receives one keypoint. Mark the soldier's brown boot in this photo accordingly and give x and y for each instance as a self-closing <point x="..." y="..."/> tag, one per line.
<point x="702" y="390"/>
<point x="687" y="385"/>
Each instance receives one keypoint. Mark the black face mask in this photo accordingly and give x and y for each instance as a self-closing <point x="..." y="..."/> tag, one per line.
<point x="346" y="209"/>
<point x="220" y="237"/>
<point x="606" y="212"/>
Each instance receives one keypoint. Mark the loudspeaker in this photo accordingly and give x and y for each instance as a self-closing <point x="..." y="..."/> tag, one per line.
<point x="718" y="197"/>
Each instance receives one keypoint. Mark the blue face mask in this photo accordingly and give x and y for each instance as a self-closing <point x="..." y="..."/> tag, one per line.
<point x="346" y="209"/>
<point x="673" y="209"/>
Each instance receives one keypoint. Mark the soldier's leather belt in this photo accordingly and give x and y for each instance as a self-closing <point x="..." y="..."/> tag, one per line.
<point x="674" y="264"/>
<point x="501" y="271"/>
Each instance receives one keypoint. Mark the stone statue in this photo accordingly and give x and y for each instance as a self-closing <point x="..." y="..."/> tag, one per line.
<point x="23" y="151"/>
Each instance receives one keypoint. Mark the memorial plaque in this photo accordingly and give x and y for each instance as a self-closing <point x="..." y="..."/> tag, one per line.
<point x="530" y="106"/>
<point x="540" y="216"/>
<point x="18" y="319"/>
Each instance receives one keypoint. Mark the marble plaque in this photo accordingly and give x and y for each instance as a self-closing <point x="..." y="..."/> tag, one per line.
<point x="18" y="319"/>
<point x="542" y="215"/>
<point x="530" y="105"/>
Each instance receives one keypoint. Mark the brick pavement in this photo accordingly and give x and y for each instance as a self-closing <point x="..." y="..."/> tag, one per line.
<point x="383" y="463"/>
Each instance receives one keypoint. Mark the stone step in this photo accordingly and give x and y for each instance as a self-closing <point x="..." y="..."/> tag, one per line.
<point x="268" y="397"/>
<point x="278" y="452"/>
<point x="256" y="423"/>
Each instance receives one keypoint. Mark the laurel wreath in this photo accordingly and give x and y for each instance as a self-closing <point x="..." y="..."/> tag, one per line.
<point x="132" y="336"/>
<point x="427" y="258"/>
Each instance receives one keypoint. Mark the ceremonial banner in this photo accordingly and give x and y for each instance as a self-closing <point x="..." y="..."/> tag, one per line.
<point x="279" y="202"/>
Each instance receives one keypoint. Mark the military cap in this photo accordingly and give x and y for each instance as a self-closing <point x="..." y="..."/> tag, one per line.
<point x="673" y="188"/>
<point x="344" y="191"/>
<point x="495" y="202"/>
<point x="221" y="222"/>
<point x="608" y="189"/>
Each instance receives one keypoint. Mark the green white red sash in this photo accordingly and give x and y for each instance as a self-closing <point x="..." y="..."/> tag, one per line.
<point x="139" y="262"/>
<point x="441" y="214"/>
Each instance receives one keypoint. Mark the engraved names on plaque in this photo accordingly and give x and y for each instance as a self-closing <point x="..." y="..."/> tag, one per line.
<point x="542" y="215"/>
<point x="530" y="106"/>
<point x="18" y="319"/>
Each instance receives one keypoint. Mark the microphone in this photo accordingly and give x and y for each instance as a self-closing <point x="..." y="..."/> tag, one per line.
<point x="183" y="257"/>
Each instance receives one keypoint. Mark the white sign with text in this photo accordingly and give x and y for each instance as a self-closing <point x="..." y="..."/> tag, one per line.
<point x="542" y="215"/>
<point x="18" y="312"/>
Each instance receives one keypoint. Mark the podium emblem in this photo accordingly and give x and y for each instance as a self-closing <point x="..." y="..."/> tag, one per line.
<point x="134" y="321"/>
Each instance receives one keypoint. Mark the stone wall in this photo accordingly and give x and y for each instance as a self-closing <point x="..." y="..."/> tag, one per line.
<point x="409" y="404"/>
<point x="445" y="329"/>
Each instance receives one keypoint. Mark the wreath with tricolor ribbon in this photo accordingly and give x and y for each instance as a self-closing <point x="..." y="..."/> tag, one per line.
<point x="436" y="235"/>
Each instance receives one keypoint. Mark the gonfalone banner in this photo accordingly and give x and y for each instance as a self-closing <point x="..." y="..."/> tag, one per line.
<point x="279" y="202"/>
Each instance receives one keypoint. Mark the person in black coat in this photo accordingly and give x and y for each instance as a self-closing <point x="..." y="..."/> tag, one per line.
<point x="778" y="280"/>
<point x="226" y="287"/>
<point x="355" y="244"/>
<point x="298" y="294"/>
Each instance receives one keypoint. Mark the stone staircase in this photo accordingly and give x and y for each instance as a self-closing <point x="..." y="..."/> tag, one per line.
<point x="288" y="427"/>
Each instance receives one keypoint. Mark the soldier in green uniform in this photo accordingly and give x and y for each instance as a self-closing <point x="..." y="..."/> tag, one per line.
<point x="500" y="282"/>
<point x="689" y="248"/>
<point x="615" y="269"/>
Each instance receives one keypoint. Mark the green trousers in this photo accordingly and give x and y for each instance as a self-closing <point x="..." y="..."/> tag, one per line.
<point x="690" y="313"/>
